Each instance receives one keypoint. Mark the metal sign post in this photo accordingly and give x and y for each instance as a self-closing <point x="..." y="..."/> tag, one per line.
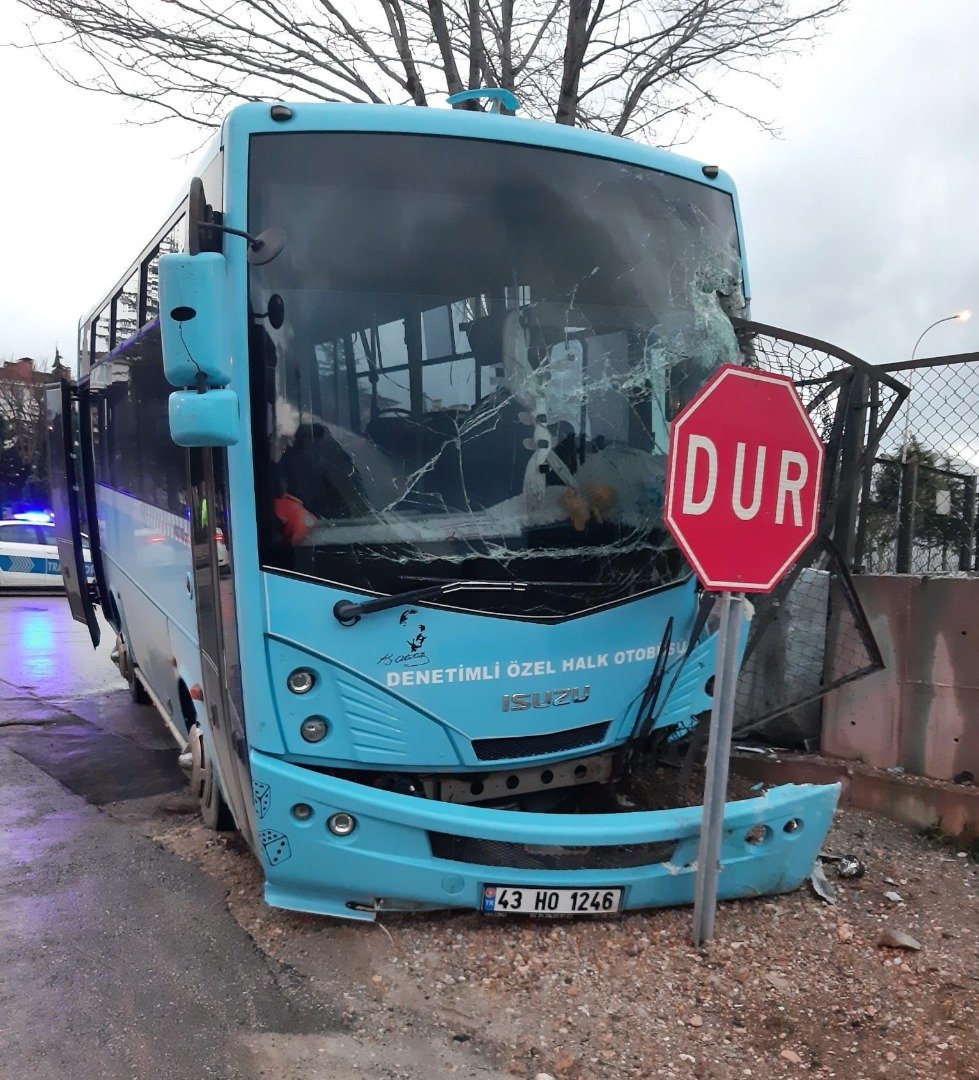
<point x="718" y="759"/>
<point x="743" y="482"/>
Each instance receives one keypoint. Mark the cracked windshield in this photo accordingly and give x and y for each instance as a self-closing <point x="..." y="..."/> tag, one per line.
<point x="465" y="361"/>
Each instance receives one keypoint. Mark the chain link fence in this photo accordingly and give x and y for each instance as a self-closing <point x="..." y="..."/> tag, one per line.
<point x="918" y="503"/>
<point x="785" y="672"/>
<point x="899" y="496"/>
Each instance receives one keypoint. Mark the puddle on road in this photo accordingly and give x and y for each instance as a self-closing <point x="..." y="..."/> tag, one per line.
<point x="98" y="765"/>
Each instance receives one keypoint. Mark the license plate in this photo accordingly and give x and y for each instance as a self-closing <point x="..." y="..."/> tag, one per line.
<point x="530" y="900"/>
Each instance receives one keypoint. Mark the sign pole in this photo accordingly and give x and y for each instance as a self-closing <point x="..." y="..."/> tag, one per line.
<point x="744" y="470"/>
<point x="718" y="760"/>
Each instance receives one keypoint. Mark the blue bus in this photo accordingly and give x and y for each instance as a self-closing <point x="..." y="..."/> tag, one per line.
<point x="369" y="442"/>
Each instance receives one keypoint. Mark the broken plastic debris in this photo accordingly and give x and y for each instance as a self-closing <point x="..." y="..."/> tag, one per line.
<point x="820" y="884"/>
<point x="895" y="898"/>
<point x="849" y="866"/>
<point x="897" y="939"/>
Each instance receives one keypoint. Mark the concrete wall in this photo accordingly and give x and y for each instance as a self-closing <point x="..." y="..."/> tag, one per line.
<point x="922" y="711"/>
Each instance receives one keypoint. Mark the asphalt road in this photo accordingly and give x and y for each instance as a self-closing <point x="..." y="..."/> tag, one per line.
<point x="117" y="959"/>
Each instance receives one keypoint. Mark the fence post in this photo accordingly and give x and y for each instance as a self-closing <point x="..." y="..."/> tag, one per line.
<point x="866" y="486"/>
<point x="967" y="551"/>
<point x="905" y="514"/>
<point x="851" y="447"/>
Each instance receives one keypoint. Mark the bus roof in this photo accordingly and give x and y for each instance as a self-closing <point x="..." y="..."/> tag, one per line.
<point x="255" y="117"/>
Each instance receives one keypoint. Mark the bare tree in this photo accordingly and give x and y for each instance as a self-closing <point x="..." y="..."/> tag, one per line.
<point x="630" y="67"/>
<point x="23" y="427"/>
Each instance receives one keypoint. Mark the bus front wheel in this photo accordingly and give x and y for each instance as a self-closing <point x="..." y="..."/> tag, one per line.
<point x="205" y="786"/>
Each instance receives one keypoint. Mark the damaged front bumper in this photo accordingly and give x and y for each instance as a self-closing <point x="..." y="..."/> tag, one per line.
<point x="408" y="853"/>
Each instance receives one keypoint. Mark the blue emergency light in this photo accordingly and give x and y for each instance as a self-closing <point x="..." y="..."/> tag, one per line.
<point x="35" y="517"/>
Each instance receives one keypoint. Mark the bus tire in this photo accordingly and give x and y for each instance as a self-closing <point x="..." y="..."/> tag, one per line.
<point x="136" y="689"/>
<point x="128" y="671"/>
<point x="205" y="786"/>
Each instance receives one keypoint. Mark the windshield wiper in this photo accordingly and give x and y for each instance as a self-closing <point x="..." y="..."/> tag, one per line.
<point x="347" y="612"/>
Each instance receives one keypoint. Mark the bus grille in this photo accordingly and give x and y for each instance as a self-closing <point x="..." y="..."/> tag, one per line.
<point x="523" y="746"/>
<point x="540" y="857"/>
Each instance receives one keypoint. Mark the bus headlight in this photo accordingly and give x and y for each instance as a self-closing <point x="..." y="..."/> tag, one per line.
<point x="301" y="681"/>
<point x="342" y="824"/>
<point x="313" y="729"/>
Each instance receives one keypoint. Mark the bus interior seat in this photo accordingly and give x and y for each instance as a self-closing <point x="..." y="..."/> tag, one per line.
<point x="414" y="443"/>
<point x="486" y="338"/>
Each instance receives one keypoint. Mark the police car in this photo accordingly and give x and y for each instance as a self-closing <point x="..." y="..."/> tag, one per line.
<point x="29" y="555"/>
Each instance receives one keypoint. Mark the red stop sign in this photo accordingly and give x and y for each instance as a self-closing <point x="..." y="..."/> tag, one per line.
<point x="743" y="480"/>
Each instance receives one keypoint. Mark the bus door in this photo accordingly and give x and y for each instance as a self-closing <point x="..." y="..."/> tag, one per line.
<point x="68" y="478"/>
<point x="217" y="629"/>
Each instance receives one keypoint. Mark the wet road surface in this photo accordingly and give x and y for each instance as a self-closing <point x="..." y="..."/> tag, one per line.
<point x="43" y="651"/>
<point x="117" y="959"/>
<point x="64" y="707"/>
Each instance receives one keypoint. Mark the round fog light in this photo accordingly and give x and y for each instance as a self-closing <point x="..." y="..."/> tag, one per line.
<point x="342" y="824"/>
<point x="301" y="681"/>
<point x="302" y="811"/>
<point x="313" y="729"/>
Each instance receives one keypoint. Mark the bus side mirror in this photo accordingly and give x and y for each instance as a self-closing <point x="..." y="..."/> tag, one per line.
<point x="194" y="320"/>
<point x="208" y="419"/>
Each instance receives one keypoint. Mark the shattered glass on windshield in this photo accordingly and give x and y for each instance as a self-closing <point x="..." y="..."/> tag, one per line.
<point x="483" y="347"/>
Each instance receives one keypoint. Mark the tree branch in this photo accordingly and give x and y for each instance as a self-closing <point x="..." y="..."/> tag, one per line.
<point x="636" y="67"/>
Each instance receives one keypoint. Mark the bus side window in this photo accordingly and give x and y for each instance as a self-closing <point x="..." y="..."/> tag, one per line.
<point x="127" y="309"/>
<point x="173" y="241"/>
<point x="101" y="338"/>
<point x="131" y="434"/>
<point x="151" y="298"/>
<point x="84" y="359"/>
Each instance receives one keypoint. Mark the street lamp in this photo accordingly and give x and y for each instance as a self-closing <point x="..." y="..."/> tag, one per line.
<point x="959" y="316"/>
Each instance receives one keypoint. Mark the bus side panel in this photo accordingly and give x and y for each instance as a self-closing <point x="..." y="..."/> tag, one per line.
<point x="187" y="667"/>
<point x="143" y="510"/>
<point x="148" y="569"/>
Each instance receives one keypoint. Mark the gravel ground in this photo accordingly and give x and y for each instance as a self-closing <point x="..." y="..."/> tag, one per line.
<point x="790" y="985"/>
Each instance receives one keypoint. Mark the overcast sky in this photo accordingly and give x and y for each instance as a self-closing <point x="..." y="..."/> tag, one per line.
<point x="862" y="221"/>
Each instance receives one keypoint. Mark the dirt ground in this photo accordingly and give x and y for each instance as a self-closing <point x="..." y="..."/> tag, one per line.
<point x="790" y="985"/>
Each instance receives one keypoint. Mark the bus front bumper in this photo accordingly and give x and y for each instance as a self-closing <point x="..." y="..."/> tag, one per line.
<point x="386" y="863"/>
